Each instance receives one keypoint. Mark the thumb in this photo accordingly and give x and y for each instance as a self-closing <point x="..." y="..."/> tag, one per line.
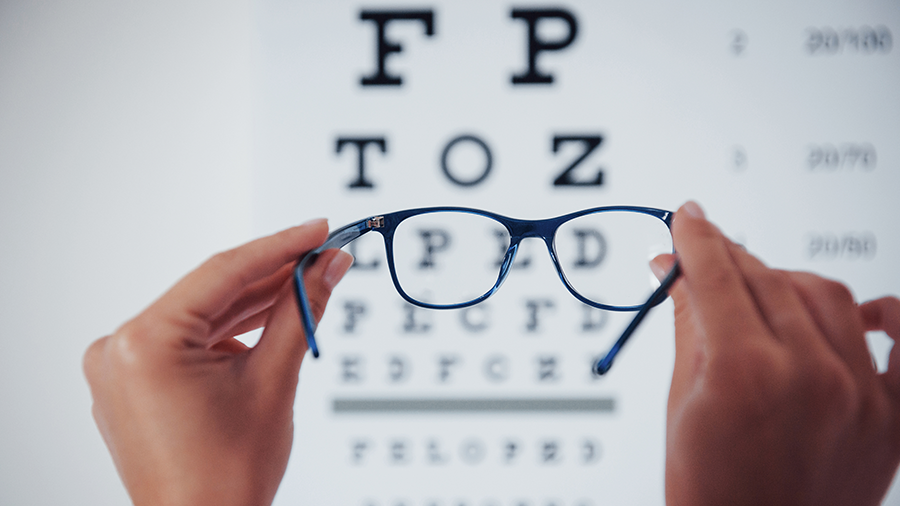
<point x="282" y="346"/>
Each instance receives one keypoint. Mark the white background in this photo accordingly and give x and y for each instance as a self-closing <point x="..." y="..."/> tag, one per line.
<point x="127" y="157"/>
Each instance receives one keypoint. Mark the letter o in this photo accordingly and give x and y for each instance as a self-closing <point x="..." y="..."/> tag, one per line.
<point x="472" y="451"/>
<point x="487" y="156"/>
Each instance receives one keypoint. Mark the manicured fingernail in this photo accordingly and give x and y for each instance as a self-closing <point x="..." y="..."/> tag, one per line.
<point x="693" y="209"/>
<point x="337" y="268"/>
<point x="658" y="270"/>
<point x="314" y="222"/>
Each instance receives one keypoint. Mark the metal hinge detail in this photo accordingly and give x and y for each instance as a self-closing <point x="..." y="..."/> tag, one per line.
<point x="375" y="222"/>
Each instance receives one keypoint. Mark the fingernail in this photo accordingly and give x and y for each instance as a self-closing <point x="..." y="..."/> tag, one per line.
<point x="337" y="268"/>
<point x="314" y="222"/>
<point x="658" y="270"/>
<point x="693" y="210"/>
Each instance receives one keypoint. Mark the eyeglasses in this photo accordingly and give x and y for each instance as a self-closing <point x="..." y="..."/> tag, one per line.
<point x="455" y="257"/>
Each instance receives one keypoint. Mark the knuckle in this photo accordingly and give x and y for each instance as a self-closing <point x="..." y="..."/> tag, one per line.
<point x="775" y="379"/>
<point x="129" y="346"/>
<point x="833" y="388"/>
<point x="127" y="350"/>
<point x="93" y="356"/>
<point x="774" y="280"/>
<point x="837" y="292"/>
<point x="780" y="277"/>
<point x="754" y="368"/>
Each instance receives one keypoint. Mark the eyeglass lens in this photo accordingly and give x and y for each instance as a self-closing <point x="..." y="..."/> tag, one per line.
<point x="448" y="257"/>
<point x="605" y="256"/>
<point x="452" y="257"/>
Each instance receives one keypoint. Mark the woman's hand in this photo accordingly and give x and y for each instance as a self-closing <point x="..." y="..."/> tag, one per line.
<point x="774" y="396"/>
<point x="191" y="415"/>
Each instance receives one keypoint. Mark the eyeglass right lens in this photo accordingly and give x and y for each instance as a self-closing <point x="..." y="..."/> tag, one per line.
<point x="605" y="256"/>
<point x="448" y="257"/>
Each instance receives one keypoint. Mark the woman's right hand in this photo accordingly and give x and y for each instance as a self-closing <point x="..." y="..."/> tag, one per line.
<point x="774" y="396"/>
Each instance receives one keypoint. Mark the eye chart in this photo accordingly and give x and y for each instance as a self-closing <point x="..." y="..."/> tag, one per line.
<point x="782" y="119"/>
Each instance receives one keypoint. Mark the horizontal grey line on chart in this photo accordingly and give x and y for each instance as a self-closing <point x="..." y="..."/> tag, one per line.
<point x="473" y="405"/>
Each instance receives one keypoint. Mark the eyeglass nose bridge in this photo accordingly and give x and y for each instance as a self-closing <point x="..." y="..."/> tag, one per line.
<point x="526" y="230"/>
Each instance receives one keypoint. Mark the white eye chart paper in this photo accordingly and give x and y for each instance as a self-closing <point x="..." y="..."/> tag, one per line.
<point x="782" y="119"/>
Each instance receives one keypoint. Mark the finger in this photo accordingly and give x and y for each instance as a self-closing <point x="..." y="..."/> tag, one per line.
<point x="661" y="265"/>
<point x="253" y="310"/>
<point x="884" y="314"/>
<point x="231" y="346"/>
<point x="779" y="304"/>
<point x="252" y="322"/>
<point x="212" y="287"/>
<point x="837" y="318"/>
<point x="93" y="361"/>
<point x="714" y="286"/>
<point x="249" y="320"/>
<point x="252" y="302"/>
<point x="280" y="350"/>
<point x="689" y="356"/>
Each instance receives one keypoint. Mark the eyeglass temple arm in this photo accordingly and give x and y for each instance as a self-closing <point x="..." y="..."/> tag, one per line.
<point x="337" y="239"/>
<point x="603" y="365"/>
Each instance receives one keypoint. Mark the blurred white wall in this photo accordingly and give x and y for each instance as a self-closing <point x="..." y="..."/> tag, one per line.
<point x="124" y="162"/>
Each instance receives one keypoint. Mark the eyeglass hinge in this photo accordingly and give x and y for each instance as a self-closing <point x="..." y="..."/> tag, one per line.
<point x="375" y="222"/>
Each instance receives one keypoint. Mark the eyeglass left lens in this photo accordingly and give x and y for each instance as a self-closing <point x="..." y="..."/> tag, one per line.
<point x="605" y="256"/>
<point x="448" y="257"/>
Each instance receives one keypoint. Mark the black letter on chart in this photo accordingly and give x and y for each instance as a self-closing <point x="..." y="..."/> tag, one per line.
<point x="360" y="448"/>
<point x="385" y="47"/>
<point x="511" y="450"/>
<point x="478" y="323"/>
<point x="358" y="262"/>
<point x="445" y="362"/>
<point x="594" y="319"/>
<point x="397" y="370"/>
<point x="547" y="368"/>
<point x="533" y="307"/>
<point x="598" y="250"/>
<point x="590" y="142"/>
<point x="413" y="324"/>
<point x="351" y="369"/>
<point x="536" y="45"/>
<point x="434" y="240"/>
<point x="590" y="451"/>
<point x="360" y="143"/>
<point x="488" y="160"/>
<point x="496" y="368"/>
<point x="435" y="454"/>
<point x="550" y="452"/>
<point x="399" y="454"/>
<point x="354" y="310"/>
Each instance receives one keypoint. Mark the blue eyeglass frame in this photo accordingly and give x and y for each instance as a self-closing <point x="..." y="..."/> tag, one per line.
<point x="518" y="229"/>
